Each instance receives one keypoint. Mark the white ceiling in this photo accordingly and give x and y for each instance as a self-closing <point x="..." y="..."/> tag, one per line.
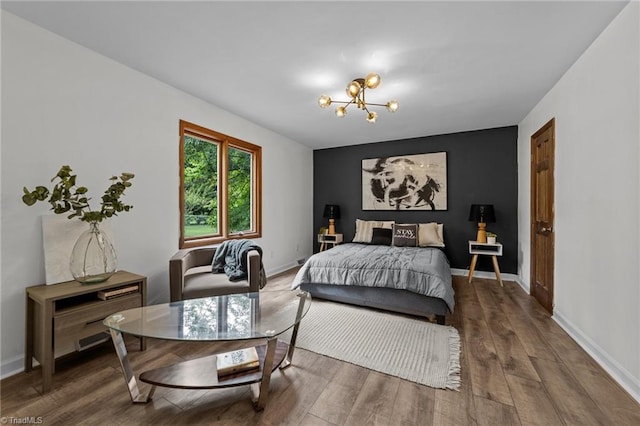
<point x="453" y="66"/>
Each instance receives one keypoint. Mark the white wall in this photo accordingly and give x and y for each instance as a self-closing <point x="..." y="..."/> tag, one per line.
<point x="64" y="104"/>
<point x="597" y="226"/>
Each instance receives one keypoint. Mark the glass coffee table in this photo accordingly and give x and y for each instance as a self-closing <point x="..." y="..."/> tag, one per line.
<point x="237" y="317"/>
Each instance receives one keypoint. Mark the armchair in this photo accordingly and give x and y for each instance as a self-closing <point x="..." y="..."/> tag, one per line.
<point x="190" y="275"/>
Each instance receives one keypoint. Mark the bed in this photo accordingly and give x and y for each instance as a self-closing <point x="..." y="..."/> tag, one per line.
<point x="408" y="280"/>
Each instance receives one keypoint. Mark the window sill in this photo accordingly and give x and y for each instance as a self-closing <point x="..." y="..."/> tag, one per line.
<point x="199" y="242"/>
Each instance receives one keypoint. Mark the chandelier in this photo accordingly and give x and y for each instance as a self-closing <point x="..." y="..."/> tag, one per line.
<point x="356" y="91"/>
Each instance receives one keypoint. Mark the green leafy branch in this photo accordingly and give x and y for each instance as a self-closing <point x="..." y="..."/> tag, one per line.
<point x="65" y="196"/>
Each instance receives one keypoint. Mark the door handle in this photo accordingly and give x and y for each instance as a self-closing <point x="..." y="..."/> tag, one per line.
<point x="549" y="229"/>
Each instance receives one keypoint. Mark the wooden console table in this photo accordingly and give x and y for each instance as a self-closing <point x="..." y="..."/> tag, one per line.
<point x="67" y="317"/>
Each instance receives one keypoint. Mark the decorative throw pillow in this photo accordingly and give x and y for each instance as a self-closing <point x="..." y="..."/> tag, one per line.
<point x="382" y="236"/>
<point x="405" y="235"/>
<point x="430" y="234"/>
<point x="364" y="229"/>
<point x="441" y="233"/>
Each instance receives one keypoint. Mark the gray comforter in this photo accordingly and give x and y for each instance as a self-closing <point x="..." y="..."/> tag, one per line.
<point x="421" y="270"/>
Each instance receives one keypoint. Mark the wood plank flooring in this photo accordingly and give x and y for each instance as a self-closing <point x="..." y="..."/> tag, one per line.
<point x="518" y="368"/>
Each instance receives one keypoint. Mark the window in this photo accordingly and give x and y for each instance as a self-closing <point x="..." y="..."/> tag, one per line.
<point x="220" y="187"/>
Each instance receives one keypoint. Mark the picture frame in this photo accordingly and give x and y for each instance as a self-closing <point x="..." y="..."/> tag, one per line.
<point x="405" y="182"/>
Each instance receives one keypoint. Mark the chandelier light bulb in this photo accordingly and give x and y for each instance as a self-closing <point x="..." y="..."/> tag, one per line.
<point x="371" y="117"/>
<point x="341" y="111"/>
<point x="324" y="101"/>
<point x="372" y="80"/>
<point x="353" y="89"/>
<point x="392" y="106"/>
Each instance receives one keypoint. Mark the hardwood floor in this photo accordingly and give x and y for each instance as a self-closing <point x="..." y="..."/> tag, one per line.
<point x="518" y="367"/>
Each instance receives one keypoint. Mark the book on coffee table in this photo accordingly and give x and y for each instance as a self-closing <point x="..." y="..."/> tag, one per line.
<point x="240" y="361"/>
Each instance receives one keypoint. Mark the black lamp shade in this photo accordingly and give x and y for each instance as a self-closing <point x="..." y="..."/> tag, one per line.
<point x="332" y="211"/>
<point x="482" y="213"/>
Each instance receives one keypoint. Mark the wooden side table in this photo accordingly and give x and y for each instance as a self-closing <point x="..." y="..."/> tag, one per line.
<point x="329" y="239"/>
<point x="486" y="249"/>
<point x="67" y="317"/>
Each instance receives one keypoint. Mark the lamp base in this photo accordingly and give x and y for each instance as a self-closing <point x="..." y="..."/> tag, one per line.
<point x="332" y="227"/>
<point x="482" y="233"/>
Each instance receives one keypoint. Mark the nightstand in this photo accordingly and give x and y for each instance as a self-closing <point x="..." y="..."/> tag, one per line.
<point x="486" y="249"/>
<point x="329" y="239"/>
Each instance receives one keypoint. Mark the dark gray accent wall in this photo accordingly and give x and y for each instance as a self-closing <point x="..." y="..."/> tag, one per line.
<point x="481" y="169"/>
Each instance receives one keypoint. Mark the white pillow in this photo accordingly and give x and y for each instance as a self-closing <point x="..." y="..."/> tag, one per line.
<point x="387" y="224"/>
<point x="430" y="234"/>
<point x="364" y="229"/>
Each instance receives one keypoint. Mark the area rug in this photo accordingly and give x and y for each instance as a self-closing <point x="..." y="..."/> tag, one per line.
<point x="400" y="346"/>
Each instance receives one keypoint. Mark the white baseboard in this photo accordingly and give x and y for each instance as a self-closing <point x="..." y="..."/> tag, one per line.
<point x="620" y="374"/>
<point x="485" y="275"/>
<point x="12" y="367"/>
<point x="525" y="286"/>
<point x="282" y="268"/>
<point x="492" y="276"/>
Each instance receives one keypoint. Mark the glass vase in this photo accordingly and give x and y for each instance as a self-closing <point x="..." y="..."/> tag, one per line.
<point x="93" y="259"/>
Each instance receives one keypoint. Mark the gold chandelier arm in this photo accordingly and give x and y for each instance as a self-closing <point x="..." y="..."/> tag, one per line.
<point x="347" y="103"/>
<point x="342" y="102"/>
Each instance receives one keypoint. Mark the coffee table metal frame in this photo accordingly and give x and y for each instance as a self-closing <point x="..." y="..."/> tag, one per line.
<point x="260" y="381"/>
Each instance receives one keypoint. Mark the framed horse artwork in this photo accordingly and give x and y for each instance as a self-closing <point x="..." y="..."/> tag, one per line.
<point x="407" y="182"/>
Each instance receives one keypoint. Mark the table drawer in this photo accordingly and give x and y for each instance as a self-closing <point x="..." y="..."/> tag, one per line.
<point x="71" y="327"/>
<point x="72" y="339"/>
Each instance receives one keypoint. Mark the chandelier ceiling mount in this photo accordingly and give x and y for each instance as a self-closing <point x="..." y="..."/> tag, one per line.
<point x="356" y="91"/>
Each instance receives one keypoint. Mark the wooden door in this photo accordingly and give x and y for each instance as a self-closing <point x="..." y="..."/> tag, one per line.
<point x="542" y="214"/>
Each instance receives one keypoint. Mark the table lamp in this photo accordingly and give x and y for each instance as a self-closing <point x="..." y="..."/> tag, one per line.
<point x="482" y="214"/>
<point x="332" y="211"/>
